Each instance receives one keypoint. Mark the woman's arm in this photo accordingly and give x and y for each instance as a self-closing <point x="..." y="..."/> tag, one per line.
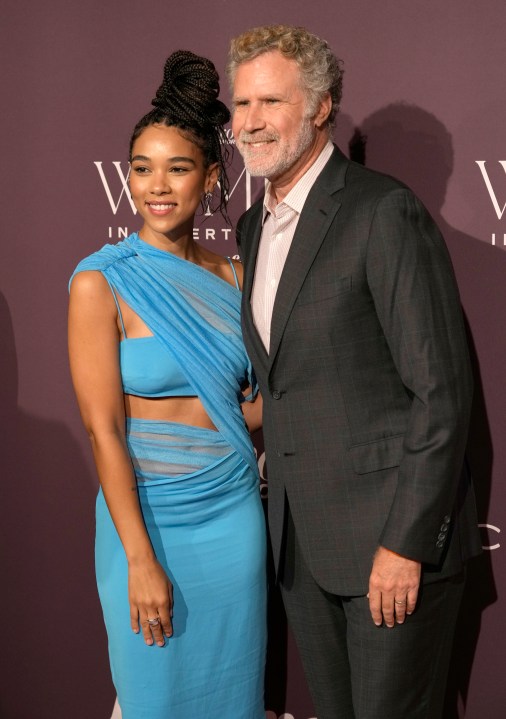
<point x="252" y="411"/>
<point x="94" y="364"/>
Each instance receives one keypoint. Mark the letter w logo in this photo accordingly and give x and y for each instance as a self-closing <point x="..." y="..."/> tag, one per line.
<point x="124" y="187"/>
<point x="481" y="165"/>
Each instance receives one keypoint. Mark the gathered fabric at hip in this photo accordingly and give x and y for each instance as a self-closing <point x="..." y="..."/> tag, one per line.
<point x="201" y="506"/>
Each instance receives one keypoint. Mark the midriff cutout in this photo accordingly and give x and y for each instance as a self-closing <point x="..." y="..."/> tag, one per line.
<point x="184" y="410"/>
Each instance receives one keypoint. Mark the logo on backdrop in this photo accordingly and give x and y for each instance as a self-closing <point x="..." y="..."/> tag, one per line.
<point x="113" y="177"/>
<point x="262" y="471"/>
<point x="495" y="189"/>
<point x="489" y="534"/>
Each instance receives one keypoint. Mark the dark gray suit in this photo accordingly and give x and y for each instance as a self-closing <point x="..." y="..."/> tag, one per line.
<point x="367" y="387"/>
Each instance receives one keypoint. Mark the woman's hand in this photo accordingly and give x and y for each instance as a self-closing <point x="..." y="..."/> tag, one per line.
<point x="151" y="600"/>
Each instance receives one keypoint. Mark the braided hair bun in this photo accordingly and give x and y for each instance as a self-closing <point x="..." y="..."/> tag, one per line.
<point x="188" y="99"/>
<point x="189" y="91"/>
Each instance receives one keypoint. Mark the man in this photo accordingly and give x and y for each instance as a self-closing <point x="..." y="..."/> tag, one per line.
<point x="352" y="320"/>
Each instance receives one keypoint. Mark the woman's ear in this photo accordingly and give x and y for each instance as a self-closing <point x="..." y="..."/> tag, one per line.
<point x="212" y="177"/>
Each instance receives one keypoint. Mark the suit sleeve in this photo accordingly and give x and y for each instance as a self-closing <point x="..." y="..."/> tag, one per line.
<point x="416" y="299"/>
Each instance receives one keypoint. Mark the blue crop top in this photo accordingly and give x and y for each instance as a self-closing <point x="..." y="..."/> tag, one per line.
<point x="147" y="370"/>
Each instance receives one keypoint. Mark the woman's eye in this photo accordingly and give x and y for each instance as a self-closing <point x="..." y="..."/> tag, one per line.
<point x="178" y="170"/>
<point x="140" y="170"/>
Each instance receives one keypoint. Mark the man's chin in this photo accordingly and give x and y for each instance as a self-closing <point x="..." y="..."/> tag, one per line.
<point x="257" y="168"/>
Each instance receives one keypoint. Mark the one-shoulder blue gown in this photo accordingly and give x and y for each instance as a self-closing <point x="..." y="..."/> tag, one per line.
<point x="199" y="495"/>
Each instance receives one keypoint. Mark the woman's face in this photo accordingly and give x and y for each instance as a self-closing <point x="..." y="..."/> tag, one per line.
<point x="167" y="180"/>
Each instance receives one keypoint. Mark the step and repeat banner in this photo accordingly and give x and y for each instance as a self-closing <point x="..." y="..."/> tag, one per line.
<point x="424" y="100"/>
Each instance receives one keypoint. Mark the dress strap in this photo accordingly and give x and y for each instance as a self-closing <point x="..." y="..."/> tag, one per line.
<point x="231" y="262"/>
<point x="119" y="310"/>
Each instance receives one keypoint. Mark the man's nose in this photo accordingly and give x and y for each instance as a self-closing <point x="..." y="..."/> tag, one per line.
<point x="254" y="119"/>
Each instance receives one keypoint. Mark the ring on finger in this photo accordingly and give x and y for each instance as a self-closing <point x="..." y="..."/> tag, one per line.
<point x="153" y="622"/>
<point x="399" y="602"/>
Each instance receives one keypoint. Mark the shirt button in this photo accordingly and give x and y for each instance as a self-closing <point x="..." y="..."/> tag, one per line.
<point x="276" y="394"/>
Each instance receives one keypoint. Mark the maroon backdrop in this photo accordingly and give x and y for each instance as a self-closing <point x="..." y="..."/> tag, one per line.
<point x="424" y="100"/>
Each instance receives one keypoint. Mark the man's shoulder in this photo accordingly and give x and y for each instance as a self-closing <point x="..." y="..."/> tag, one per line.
<point x="373" y="180"/>
<point x="341" y="173"/>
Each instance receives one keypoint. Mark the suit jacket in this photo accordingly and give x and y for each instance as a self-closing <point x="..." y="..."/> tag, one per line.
<point x="367" y="387"/>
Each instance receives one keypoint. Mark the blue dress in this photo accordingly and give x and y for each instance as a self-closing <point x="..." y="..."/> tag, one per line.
<point x="198" y="492"/>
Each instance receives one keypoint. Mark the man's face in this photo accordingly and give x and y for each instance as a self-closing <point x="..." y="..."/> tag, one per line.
<point x="270" y="121"/>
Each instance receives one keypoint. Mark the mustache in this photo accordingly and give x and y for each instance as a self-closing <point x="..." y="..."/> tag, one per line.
<point x="248" y="137"/>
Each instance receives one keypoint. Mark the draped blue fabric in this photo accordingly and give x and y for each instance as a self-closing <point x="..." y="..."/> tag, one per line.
<point x="196" y="317"/>
<point x="199" y="496"/>
<point x="207" y="528"/>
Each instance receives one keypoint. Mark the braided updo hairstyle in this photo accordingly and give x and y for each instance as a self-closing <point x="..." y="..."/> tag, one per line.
<point x="188" y="99"/>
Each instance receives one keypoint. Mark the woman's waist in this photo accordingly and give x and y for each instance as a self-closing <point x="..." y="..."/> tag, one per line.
<point x="189" y="458"/>
<point x="180" y="410"/>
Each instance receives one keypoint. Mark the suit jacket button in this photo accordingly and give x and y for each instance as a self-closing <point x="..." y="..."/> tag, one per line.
<point x="276" y="394"/>
<point x="440" y="544"/>
<point x="441" y="536"/>
<point x="444" y="528"/>
<point x="446" y="519"/>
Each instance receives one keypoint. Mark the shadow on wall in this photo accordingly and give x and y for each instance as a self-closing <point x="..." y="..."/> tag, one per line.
<point x="55" y="664"/>
<point x="414" y="146"/>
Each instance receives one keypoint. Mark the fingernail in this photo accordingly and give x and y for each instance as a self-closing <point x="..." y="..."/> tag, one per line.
<point x="161" y="644"/>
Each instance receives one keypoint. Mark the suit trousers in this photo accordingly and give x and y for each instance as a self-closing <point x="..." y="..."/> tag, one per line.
<point x="356" y="670"/>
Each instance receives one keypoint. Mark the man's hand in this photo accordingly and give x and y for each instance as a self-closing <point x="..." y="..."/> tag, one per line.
<point x="393" y="587"/>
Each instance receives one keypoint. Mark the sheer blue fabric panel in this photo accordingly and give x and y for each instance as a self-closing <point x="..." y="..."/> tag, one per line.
<point x="196" y="317"/>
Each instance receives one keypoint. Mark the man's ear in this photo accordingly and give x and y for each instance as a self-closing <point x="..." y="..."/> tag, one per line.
<point x="324" y="110"/>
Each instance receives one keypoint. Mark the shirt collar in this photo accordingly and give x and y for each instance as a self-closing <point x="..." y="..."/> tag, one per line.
<point x="297" y="196"/>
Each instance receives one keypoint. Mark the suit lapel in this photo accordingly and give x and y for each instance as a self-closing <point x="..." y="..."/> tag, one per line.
<point x="251" y="250"/>
<point x="254" y="344"/>
<point x="318" y="214"/>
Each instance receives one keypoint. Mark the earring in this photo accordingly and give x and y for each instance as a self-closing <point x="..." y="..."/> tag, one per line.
<point x="207" y="203"/>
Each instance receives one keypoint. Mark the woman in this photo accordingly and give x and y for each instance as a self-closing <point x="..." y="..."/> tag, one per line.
<point x="160" y="374"/>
